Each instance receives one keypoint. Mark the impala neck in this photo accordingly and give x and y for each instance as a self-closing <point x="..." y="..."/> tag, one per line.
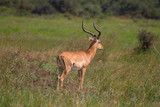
<point x="92" y="50"/>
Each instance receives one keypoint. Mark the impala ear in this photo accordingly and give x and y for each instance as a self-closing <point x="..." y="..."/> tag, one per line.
<point x="90" y="38"/>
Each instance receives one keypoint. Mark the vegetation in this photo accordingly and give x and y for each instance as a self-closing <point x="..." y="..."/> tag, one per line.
<point x="146" y="40"/>
<point x="116" y="77"/>
<point x="131" y="8"/>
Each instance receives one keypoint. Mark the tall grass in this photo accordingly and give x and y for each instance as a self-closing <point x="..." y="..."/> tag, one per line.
<point x="116" y="77"/>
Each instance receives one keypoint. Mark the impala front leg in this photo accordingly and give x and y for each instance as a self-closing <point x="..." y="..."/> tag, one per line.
<point x="81" y="78"/>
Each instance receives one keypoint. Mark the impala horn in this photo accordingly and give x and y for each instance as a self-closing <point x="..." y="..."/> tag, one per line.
<point x="97" y="30"/>
<point x="88" y="31"/>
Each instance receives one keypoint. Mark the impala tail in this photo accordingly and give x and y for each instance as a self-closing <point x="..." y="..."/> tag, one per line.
<point x="61" y="63"/>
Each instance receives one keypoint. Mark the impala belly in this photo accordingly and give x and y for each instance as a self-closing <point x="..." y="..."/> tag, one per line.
<point x="77" y="66"/>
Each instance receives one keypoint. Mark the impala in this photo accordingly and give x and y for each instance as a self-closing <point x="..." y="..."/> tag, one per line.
<point x="78" y="60"/>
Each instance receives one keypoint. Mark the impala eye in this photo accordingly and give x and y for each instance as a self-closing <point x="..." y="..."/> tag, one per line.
<point x="99" y="42"/>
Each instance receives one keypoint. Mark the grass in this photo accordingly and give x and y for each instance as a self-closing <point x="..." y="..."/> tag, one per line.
<point x="116" y="77"/>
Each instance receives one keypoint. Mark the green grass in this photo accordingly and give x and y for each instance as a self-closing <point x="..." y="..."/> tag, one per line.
<point x="116" y="77"/>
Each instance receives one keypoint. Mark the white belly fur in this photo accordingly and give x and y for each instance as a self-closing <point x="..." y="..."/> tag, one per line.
<point x="76" y="66"/>
<point x="75" y="69"/>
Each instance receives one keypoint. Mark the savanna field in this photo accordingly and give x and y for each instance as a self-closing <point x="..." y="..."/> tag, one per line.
<point x="118" y="76"/>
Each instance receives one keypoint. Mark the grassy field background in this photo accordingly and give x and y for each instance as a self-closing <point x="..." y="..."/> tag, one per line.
<point x="118" y="76"/>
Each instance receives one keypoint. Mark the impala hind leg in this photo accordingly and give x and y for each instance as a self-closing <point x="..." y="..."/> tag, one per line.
<point x="58" y="82"/>
<point x="63" y="76"/>
<point x="59" y="77"/>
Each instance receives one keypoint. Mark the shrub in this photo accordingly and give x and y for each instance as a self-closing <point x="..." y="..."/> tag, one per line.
<point x="145" y="40"/>
<point x="43" y="7"/>
<point x="4" y="2"/>
<point x="5" y="11"/>
<point x="92" y="9"/>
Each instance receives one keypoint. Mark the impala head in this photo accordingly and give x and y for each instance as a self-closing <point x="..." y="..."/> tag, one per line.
<point x="94" y="39"/>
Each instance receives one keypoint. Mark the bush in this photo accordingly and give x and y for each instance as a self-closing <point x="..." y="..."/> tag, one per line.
<point x="92" y="9"/>
<point x="42" y="7"/>
<point x="145" y="40"/>
<point x="45" y="9"/>
<point x="7" y="11"/>
<point x="132" y="8"/>
<point x="4" y="2"/>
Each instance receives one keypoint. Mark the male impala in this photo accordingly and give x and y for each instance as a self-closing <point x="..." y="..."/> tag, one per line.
<point x="78" y="60"/>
